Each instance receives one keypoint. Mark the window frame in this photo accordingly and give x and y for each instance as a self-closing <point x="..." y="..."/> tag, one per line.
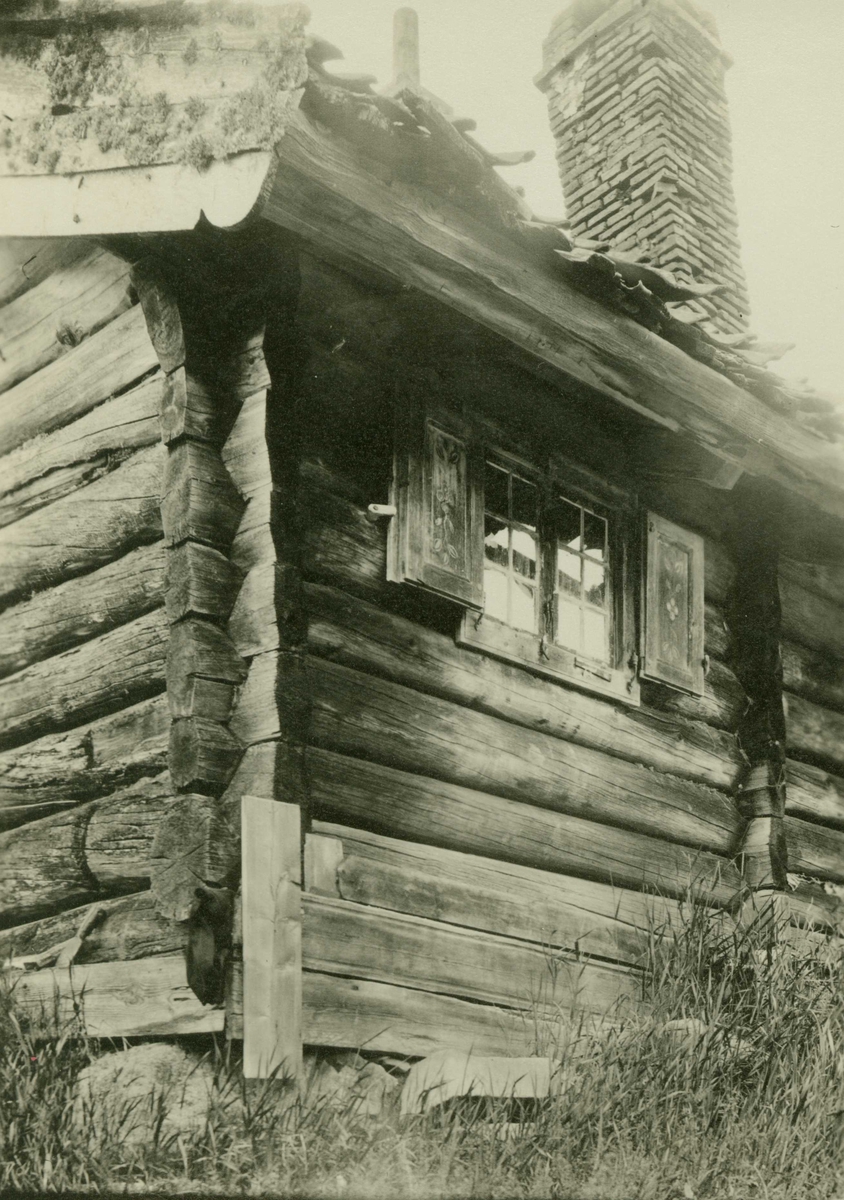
<point x="539" y="652"/>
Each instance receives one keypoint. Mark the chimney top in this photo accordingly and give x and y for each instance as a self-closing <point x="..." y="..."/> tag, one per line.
<point x="406" y="48"/>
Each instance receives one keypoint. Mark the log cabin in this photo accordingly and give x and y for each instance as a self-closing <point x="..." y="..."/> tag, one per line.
<point x="407" y="602"/>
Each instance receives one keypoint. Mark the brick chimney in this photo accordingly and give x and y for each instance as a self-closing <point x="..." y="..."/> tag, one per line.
<point x="639" y="113"/>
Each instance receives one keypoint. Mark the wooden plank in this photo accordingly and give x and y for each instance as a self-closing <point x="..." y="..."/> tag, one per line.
<point x="96" y="849"/>
<point x="479" y="893"/>
<point x="129" y="929"/>
<point x="61" y="312"/>
<point x="105" y="363"/>
<point x="810" y="619"/>
<point x="359" y="635"/>
<point x="340" y="937"/>
<point x="815" y="734"/>
<point x="814" y="850"/>
<point x="29" y="261"/>
<point x="85" y="530"/>
<point x="120" y="667"/>
<point x="82" y="608"/>
<point x="404" y="805"/>
<point x="358" y="714"/>
<point x="815" y="675"/>
<point x="143" y="998"/>
<point x="325" y="192"/>
<point x="49" y="467"/>
<point x="814" y="794"/>
<point x="85" y="762"/>
<point x="272" y="938"/>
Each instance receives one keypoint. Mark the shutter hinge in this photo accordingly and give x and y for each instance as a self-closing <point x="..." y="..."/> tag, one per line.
<point x="376" y="512"/>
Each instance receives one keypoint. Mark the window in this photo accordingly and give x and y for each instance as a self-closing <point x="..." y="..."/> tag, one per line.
<point x="541" y="561"/>
<point x="555" y="592"/>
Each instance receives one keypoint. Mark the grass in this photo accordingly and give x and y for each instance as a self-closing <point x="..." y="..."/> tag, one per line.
<point x="742" y="1107"/>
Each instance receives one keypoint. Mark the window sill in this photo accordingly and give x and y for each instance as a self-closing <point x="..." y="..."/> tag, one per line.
<point x="552" y="662"/>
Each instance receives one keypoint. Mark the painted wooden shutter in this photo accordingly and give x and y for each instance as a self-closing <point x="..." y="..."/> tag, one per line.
<point x="436" y="537"/>
<point x="672" y="626"/>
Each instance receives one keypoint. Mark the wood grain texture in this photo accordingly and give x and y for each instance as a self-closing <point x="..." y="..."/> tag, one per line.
<point x="118" y="668"/>
<point x="196" y="842"/>
<point x="145" y="997"/>
<point x="85" y="762"/>
<point x="815" y="734"/>
<point x="815" y="850"/>
<point x="358" y="714"/>
<point x="199" y="500"/>
<point x="810" y="619"/>
<point x="479" y="893"/>
<point x="814" y="794"/>
<point x="84" y="530"/>
<point x="201" y="582"/>
<point x="203" y="755"/>
<point x="131" y="928"/>
<point x="66" y="308"/>
<point x="815" y="675"/>
<point x="420" y="809"/>
<point x="46" y="468"/>
<point x="161" y="313"/>
<point x="64" y="616"/>
<point x="271" y="888"/>
<point x="360" y="635"/>
<point x="324" y="193"/>
<point x="97" y="849"/>
<point x="108" y="362"/>
<point x="29" y="261"/>
<point x="340" y="937"/>
<point x="203" y="670"/>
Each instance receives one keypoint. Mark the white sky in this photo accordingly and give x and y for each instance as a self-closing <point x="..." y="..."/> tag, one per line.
<point x="786" y="93"/>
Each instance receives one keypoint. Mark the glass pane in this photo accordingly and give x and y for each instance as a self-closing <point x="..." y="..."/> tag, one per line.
<point x="594" y="535"/>
<point x="594" y="635"/>
<point x="495" y="541"/>
<point x="568" y="624"/>
<point x="523" y="612"/>
<point x="495" y="593"/>
<point x="524" y="554"/>
<point x="568" y="572"/>
<point x="495" y="491"/>
<point x="524" y="502"/>
<point x="594" y="582"/>
<point x="567" y="521"/>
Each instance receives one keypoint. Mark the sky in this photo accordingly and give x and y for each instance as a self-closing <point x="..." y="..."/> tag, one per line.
<point x="786" y="96"/>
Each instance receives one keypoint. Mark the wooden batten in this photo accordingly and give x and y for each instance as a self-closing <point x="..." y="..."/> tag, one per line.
<point x="272" y="939"/>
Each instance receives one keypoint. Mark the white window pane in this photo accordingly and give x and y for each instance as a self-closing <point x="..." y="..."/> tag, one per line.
<point x="594" y="582"/>
<point x="594" y="635"/>
<point x="568" y="624"/>
<point x="496" y="535"/>
<point x="495" y="593"/>
<point x="523" y="606"/>
<point x="568" y="572"/>
<point x="567" y="522"/>
<point x="524" y="554"/>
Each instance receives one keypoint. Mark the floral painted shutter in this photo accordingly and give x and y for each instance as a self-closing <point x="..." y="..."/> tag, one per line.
<point x="672" y="636"/>
<point x="437" y="535"/>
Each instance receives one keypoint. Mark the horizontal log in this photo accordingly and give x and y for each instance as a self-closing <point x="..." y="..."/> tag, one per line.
<point x="203" y="755"/>
<point x="49" y="467"/>
<point x="246" y="458"/>
<point x="118" y="668"/>
<point x="815" y="675"/>
<point x="814" y="794"/>
<point x="354" y="1013"/>
<point x="358" y="714"/>
<point x="85" y="530"/>
<point x="358" y="634"/>
<point x="191" y="409"/>
<point x="161" y="312"/>
<point x="822" y="578"/>
<point x="197" y="841"/>
<point x="106" y="363"/>
<point x="340" y="937"/>
<point x="129" y="929"/>
<point x="814" y="850"/>
<point x="94" y="850"/>
<point x="812" y="904"/>
<point x="403" y="805"/>
<point x="722" y="705"/>
<point x="199" y="500"/>
<point x="810" y="619"/>
<point x="28" y="262"/>
<point x="148" y="997"/>
<point x="86" y="762"/>
<point x="479" y="893"/>
<point x="62" y="311"/>
<point x="82" y="608"/>
<point x="203" y="670"/>
<point x="814" y="734"/>
<point x="324" y="192"/>
<point x="201" y="582"/>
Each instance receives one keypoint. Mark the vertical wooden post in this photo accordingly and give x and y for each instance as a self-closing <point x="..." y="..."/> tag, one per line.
<point x="272" y="938"/>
